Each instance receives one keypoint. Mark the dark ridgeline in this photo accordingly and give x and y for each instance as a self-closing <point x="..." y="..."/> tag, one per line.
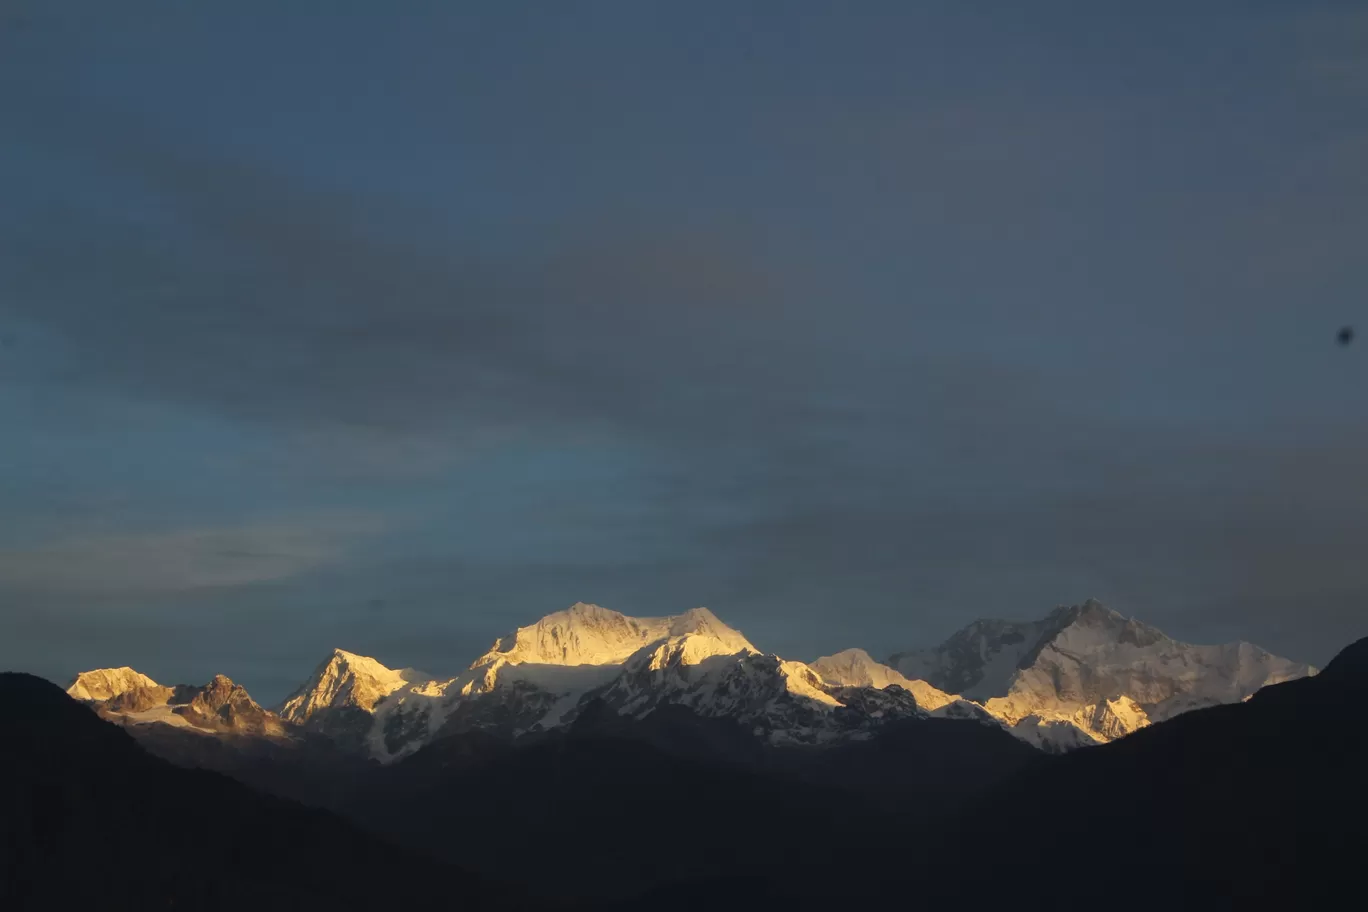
<point x="89" y="820"/>
<point x="612" y="807"/>
<point x="1251" y="805"/>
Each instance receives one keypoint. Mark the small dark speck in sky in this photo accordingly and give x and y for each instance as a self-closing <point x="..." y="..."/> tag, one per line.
<point x="562" y="335"/>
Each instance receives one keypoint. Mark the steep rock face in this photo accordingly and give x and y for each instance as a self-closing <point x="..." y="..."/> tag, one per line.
<point x="339" y="699"/>
<point x="345" y="679"/>
<point x="973" y="661"/>
<point x="224" y="706"/>
<point x="133" y="699"/>
<point x="1089" y="667"/>
<point x="141" y="699"/>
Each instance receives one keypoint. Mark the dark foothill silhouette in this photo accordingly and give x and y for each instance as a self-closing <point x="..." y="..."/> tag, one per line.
<point x="88" y="819"/>
<point x="1255" y="804"/>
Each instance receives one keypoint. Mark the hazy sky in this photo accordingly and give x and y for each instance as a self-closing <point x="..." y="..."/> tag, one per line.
<point x="394" y="326"/>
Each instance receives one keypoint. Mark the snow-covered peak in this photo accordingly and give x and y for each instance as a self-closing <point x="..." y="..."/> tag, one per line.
<point x="1092" y="625"/>
<point x="801" y="681"/>
<point x="700" y="623"/>
<point x="586" y="634"/>
<point x="699" y="620"/>
<point x="687" y="649"/>
<point x="701" y="672"/>
<point x="346" y="679"/>
<point x="855" y="668"/>
<point x="537" y="676"/>
<point x="1054" y="736"/>
<point x="106" y="683"/>
<point x="582" y="634"/>
<point x="123" y="696"/>
<point x="973" y="660"/>
<point x="1093" y="668"/>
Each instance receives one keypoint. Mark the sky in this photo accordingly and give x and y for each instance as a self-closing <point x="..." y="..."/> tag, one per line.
<point x="392" y="328"/>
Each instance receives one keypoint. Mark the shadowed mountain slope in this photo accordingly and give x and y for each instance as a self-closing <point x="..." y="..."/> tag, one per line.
<point x="90" y="820"/>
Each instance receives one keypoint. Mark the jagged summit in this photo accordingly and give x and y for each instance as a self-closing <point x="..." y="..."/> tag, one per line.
<point x="1090" y="610"/>
<point x="345" y="679"/>
<point x="223" y="704"/>
<point x="586" y="634"/>
<point x="123" y="695"/>
<point x="1094" y="668"/>
<point x="972" y="659"/>
<point x="980" y="660"/>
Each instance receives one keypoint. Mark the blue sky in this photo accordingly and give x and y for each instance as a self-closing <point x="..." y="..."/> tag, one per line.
<point x="342" y="325"/>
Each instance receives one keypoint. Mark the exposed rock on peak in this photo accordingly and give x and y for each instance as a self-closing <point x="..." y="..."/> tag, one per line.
<point x="345" y="679"/>
<point x="134" y="699"/>
<point x="1089" y="666"/>
<point x="104" y="683"/>
<point x="1083" y="674"/>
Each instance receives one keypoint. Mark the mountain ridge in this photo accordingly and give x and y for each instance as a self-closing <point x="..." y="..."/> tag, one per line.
<point x="1091" y="668"/>
<point x="1080" y="676"/>
<point x="92" y="820"/>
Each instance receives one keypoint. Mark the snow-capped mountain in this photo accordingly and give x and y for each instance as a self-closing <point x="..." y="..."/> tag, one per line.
<point x="105" y="683"/>
<point x="339" y="699"/>
<point x="1083" y="675"/>
<point x="856" y="668"/>
<point x="1089" y="668"/>
<point x="220" y="707"/>
<point x="539" y="677"/>
<point x="586" y="634"/>
<point x="344" y="680"/>
<point x="529" y="680"/>
<point x="723" y="675"/>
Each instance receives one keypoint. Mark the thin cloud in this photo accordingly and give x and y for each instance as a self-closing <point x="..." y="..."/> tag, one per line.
<point x="183" y="559"/>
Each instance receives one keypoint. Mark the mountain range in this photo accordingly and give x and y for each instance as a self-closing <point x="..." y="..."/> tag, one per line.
<point x="595" y="760"/>
<point x="599" y="761"/>
<point x="1081" y="676"/>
